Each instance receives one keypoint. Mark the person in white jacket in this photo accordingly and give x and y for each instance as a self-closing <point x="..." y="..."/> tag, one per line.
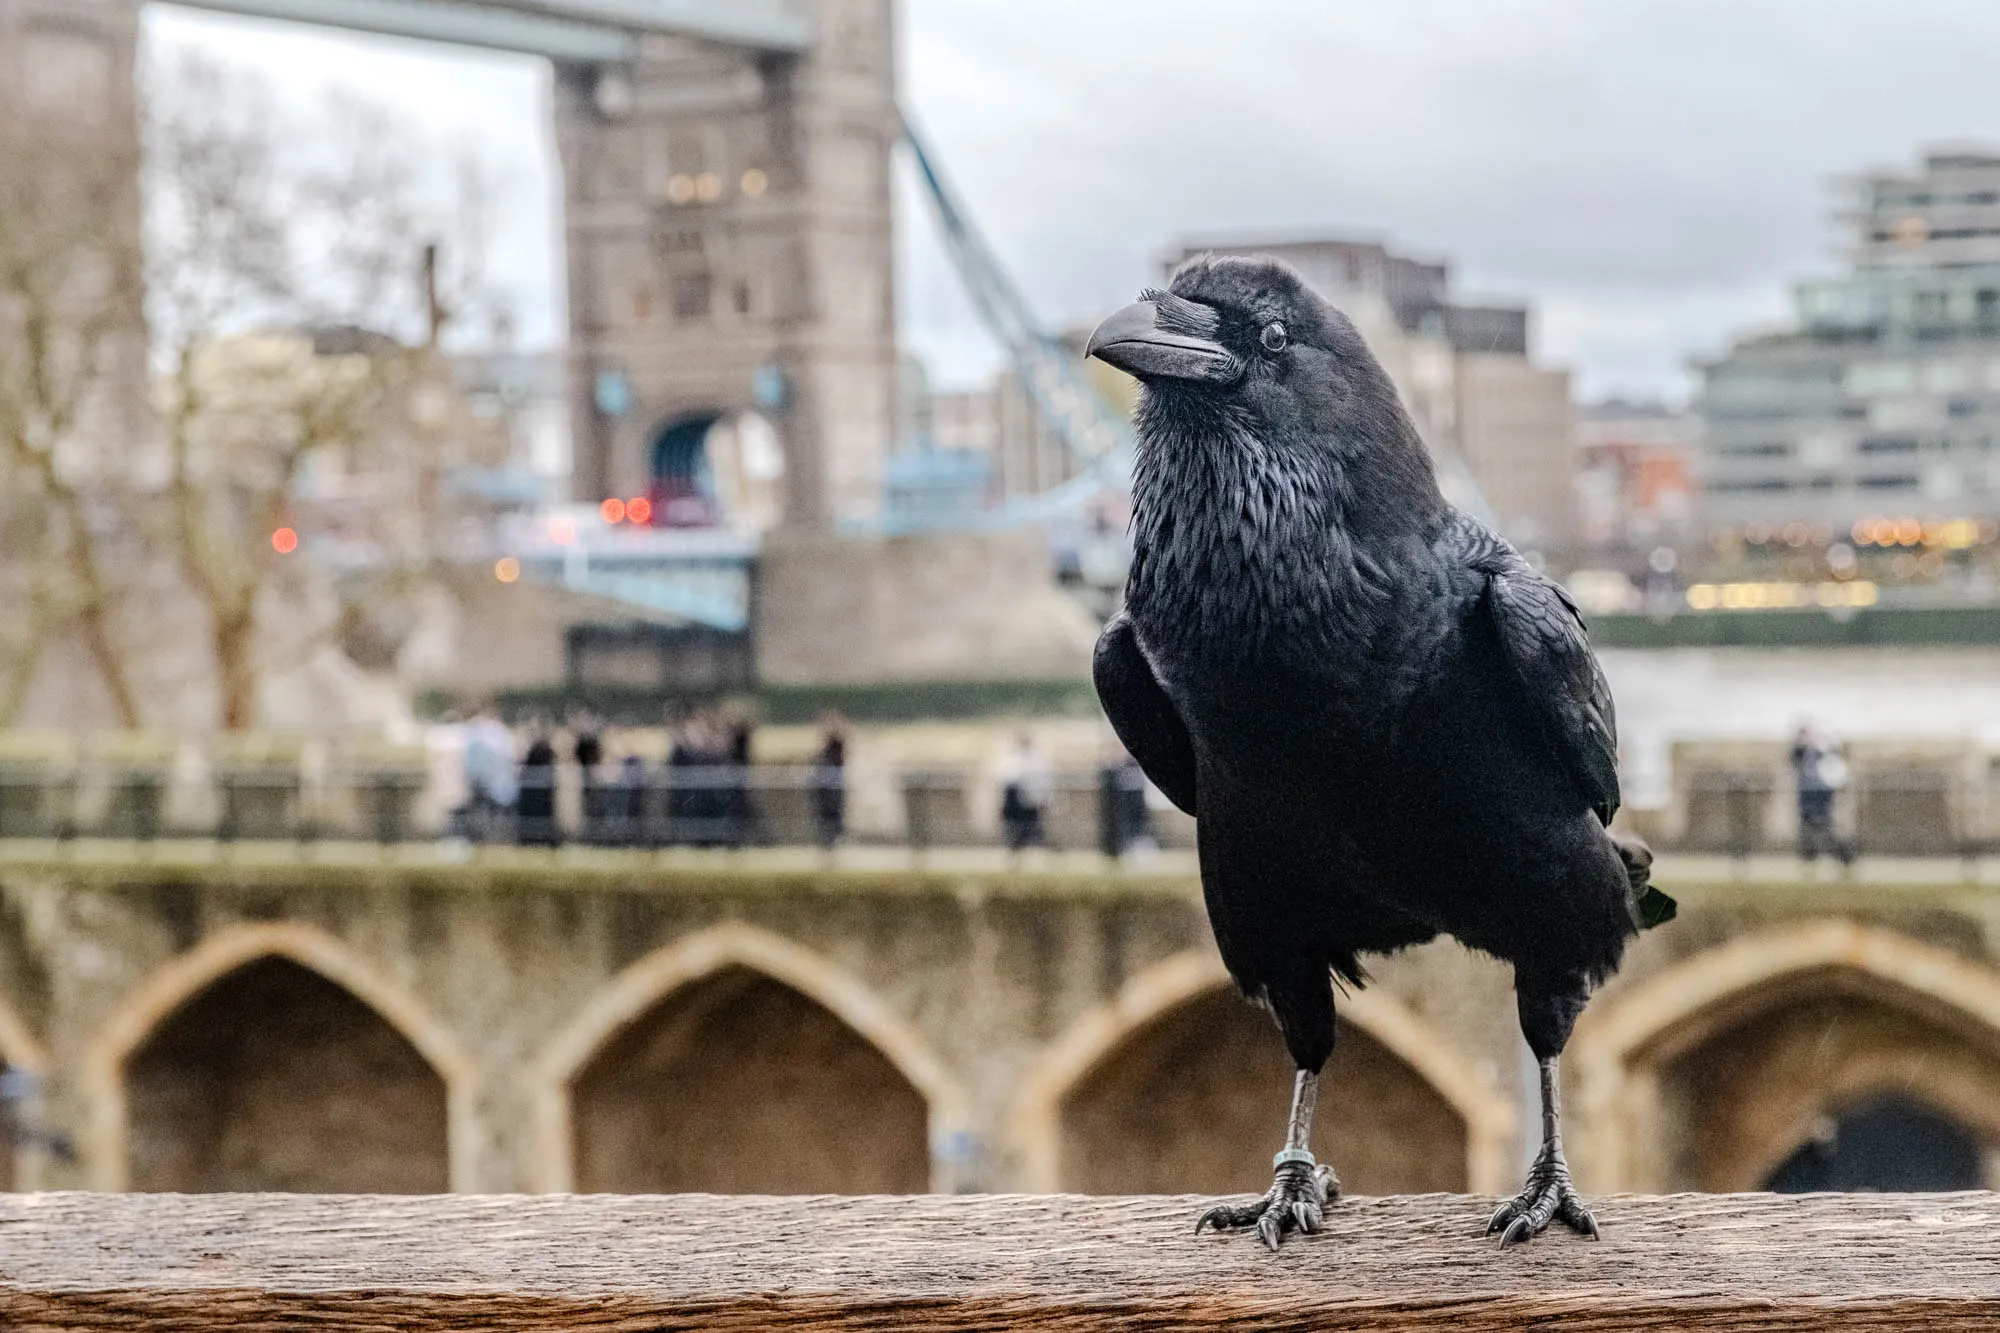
<point x="1027" y="786"/>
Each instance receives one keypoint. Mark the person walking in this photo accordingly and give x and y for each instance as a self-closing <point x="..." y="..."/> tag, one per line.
<point x="1819" y="772"/>
<point x="738" y="810"/>
<point x="1028" y="785"/>
<point x="829" y="779"/>
<point x="588" y="751"/>
<point x="535" y="807"/>
<point x="1124" y="823"/>
<point x="697" y="775"/>
<point x="488" y="765"/>
<point x="628" y="803"/>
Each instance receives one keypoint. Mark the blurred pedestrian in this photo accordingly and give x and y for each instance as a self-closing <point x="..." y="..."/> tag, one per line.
<point x="588" y="751"/>
<point x="696" y="775"/>
<point x="1028" y="784"/>
<point x="683" y="764"/>
<point x="535" y="806"/>
<point x="1820" y="771"/>
<point x="488" y="761"/>
<point x="829" y="778"/>
<point x="737" y="810"/>
<point x="1124" y="822"/>
<point x="628" y="803"/>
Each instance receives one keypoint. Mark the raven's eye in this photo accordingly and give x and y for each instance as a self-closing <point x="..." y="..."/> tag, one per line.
<point x="1273" y="337"/>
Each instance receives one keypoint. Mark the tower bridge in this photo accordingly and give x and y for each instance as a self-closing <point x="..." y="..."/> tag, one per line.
<point x="727" y="223"/>
<point x="726" y="169"/>
<point x="728" y="235"/>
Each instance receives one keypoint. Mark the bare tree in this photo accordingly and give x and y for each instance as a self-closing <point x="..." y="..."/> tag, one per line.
<point x="71" y="361"/>
<point x="294" y="294"/>
<point x="293" y="284"/>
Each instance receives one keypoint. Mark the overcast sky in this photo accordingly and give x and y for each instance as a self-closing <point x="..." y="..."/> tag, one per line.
<point x="1650" y="174"/>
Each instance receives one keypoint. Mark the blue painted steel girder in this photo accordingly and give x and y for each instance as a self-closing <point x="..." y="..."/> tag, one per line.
<point x="708" y="590"/>
<point x="583" y="31"/>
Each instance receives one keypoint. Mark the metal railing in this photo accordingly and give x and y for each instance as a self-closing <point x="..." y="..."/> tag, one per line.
<point x="702" y="805"/>
<point x="1884" y="812"/>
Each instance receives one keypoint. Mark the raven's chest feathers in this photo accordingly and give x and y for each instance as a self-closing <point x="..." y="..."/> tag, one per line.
<point x="1248" y="574"/>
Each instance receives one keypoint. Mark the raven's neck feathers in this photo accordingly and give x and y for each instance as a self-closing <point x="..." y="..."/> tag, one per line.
<point x="1247" y="540"/>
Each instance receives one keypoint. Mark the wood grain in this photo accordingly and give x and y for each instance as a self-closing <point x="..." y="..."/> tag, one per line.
<point x="630" y="1263"/>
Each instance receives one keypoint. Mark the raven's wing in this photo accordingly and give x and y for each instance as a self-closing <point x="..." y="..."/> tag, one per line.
<point x="1542" y="632"/>
<point x="1142" y="714"/>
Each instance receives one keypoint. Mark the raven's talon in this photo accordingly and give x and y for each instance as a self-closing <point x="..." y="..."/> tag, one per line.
<point x="1293" y="1203"/>
<point x="1549" y="1197"/>
<point x="1576" y="1217"/>
<point x="1224" y="1216"/>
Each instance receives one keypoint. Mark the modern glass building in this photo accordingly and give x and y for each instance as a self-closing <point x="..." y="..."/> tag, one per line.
<point x="1884" y="403"/>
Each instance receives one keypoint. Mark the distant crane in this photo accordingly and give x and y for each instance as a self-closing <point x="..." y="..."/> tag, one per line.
<point x="1097" y="438"/>
<point x="707" y="585"/>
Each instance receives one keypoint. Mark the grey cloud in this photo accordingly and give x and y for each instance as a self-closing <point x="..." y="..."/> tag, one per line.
<point x="1651" y="172"/>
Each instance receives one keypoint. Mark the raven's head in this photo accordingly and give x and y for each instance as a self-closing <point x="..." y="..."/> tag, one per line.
<point x="1247" y="333"/>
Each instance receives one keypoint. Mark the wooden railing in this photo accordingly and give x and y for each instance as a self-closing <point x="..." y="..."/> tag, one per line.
<point x="620" y="1264"/>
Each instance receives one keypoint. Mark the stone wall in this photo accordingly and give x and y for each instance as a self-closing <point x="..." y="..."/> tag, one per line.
<point x="762" y="1022"/>
<point x="966" y="606"/>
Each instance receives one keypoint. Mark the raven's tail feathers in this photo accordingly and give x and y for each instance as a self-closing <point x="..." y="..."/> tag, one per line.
<point x="1649" y="906"/>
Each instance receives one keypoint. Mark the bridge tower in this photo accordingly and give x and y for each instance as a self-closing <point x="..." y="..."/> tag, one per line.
<point x="67" y="96"/>
<point x="730" y="249"/>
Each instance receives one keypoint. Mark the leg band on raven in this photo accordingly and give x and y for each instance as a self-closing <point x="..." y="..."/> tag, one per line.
<point x="1300" y="1189"/>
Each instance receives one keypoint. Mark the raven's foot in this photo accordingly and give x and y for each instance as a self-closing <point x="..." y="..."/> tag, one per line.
<point x="1298" y="1194"/>
<point x="1549" y="1196"/>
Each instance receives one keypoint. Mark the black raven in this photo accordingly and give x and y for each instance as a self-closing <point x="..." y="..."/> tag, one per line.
<point x="1388" y="724"/>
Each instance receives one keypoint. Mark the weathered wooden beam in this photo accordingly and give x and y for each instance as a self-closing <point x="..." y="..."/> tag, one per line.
<point x="610" y="1263"/>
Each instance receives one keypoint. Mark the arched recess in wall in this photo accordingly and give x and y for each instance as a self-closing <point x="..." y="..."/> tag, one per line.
<point x="319" y="986"/>
<point x="1105" y="1071"/>
<point x="1713" y="1073"/>
<point x="708" y="1021"/>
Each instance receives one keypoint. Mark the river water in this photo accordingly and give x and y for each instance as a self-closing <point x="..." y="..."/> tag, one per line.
<point x="1742" y="693"/>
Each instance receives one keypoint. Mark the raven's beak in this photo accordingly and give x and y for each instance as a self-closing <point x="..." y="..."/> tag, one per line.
<point x="1133" y="341"/>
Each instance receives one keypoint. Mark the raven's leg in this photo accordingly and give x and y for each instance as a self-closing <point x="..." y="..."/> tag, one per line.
<point x="1300" y="1187"/>
<point x="1547" y="1014"/>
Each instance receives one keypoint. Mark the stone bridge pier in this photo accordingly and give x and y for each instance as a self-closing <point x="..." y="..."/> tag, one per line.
<point x="602" y="1022"/>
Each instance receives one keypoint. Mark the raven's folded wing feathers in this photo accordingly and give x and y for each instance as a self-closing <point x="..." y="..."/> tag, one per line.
<point x="1542" y="632"/>
<point x="1142" y="714"/>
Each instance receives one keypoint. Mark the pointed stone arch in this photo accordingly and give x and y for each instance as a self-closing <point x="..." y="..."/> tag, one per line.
<point x="1625" y="1041"/>
<point x="706" y="954"/>
<point x="1033" y="1128"/>
<point x="184" y="977"/>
